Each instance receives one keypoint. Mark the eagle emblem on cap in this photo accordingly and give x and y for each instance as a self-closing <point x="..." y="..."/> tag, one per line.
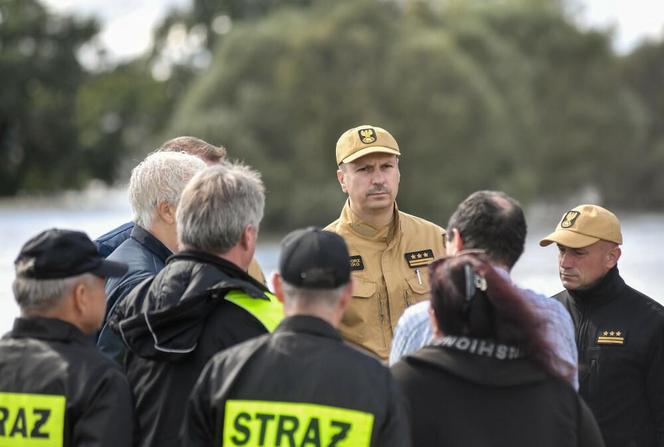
<point x="367" y="135"/>
<point x="569" y="218"/>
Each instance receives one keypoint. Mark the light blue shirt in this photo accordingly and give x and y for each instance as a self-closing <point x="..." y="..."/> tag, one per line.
<point x="413" y="330"/>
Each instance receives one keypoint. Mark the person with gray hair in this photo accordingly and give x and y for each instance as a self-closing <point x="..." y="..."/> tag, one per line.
<point x="202" y="302"/>
<point x="325" y="392"/>
<point x="154" y="191"/>
<point x="55" y="388"/>
<point x="108" y="242"/>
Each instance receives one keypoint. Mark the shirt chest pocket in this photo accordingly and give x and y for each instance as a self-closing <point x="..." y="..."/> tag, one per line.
<point x="364" y="306"/>
<point x="417" y="288"/>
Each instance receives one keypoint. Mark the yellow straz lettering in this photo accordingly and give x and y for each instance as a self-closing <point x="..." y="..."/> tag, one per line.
<point x="252" y="423"/>
<point x="31" y="420"/>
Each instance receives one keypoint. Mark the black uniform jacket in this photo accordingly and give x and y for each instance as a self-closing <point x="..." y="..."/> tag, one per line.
<point x="461" y="399"/>
<point x="173" y="324"/>
<point x="301" y="385"/>
<point x="55" y="386"/>
<point x="620" y="336"/>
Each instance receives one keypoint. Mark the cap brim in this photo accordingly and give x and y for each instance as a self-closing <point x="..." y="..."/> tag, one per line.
<point x="110" y="269"/>
<point x="370" y="150"/>
<point x="568" y="238"/>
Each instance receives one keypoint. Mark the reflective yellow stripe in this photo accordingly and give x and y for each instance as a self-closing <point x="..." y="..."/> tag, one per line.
<point x="270" y="313"/>
<point x="31" y="420"/>
<point x="255" y="423"/>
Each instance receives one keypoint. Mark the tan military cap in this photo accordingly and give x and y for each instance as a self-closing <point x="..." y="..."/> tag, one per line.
<point x="585" y="225"/>
<point x="363" y="140"/>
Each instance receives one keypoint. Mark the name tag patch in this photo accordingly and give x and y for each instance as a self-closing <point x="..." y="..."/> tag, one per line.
<point x="252" y="423"/>
<point x="32" y="420"/>
<point x="419" y="258"/>
<point x="611" y="337"/>
<point x="356" y="263"/>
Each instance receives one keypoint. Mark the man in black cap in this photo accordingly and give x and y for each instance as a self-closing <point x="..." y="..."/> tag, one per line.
<point x="323" y="392"/>
<point x="55" y="388"/>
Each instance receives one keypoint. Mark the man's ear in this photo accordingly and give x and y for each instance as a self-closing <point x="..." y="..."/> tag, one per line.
<point x="612" y="256"/>
<point x="342" y="179"/>
<point x="454" y="242"/>
<point x="166" y="212"/>
<point x="80" y="299"/>
<point x="249" y="237"/>
<point x="276" y="286"/>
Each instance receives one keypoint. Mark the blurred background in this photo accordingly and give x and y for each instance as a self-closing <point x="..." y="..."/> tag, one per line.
<point x="556" y="102"/>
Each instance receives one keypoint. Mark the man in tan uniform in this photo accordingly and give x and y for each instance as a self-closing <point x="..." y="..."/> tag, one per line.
<point x="389" y="249"/>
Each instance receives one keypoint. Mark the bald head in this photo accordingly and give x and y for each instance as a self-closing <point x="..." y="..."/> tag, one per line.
<point x="491" y="221"/>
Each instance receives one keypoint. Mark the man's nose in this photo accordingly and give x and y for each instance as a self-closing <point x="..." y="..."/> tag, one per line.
<point x="565" y="260"/>
<point x="378" y="178"/>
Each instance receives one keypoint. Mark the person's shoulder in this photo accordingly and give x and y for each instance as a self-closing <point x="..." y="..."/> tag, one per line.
<point x="135" y="254"/>
<point x="90" y="363"/>
<point x="237" y="353"/>
<point x="357" y="358"/>
<point x="419" y="223"/>
<point x="108" y="242"/>
<point x="334" y="226"/>
<point x="648" y="304"/>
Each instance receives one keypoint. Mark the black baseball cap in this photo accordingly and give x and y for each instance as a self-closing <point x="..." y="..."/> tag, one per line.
<point x="56" y="254"/>
<point x="313" y="258"/>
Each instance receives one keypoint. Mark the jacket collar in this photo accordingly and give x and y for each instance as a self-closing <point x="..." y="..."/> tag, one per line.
<point x="145" y="238"/>
<point x="366" y="231"/>
<point x="231" y="270"/>
<point x="47" y="329"/>
<point x="474" y="368"/>
<point x="309" y="325"/>
<point x="604" y="291"/>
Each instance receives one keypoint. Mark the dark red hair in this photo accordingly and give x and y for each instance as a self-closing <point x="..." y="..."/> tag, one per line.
<point x="501" y="312"/>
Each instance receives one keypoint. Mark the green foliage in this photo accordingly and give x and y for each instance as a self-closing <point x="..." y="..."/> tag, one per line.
<point x="505" y="95"/>
<point x="39" y="74"/>
<point x="480" y="94"/>
<point x="117" y="114"/>
<point x="643" y="70"/>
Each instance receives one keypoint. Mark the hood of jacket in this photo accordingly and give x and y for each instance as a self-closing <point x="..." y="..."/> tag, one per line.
<point x="162" y="318"/>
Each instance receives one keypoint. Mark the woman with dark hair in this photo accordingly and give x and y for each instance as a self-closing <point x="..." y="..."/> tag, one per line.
<point x="490" y="377"/>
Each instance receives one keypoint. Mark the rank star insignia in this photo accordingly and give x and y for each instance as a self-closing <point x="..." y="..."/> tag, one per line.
<point x="367" y="135"/>
<point x="420" y="258"/>
<point x="569" y="218"/>
<point x="611" y="337"/>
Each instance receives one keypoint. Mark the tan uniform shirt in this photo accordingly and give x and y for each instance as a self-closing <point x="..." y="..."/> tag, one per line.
<point x="389" y="272"/>
<point x="256" y="272"/>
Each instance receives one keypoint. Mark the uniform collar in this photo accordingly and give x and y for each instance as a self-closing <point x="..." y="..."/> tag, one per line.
<point x="605" y="290"/>
<point x="231" y="270"/>
<point x="47" y="329"/>
<point x="309" y="325"/>
<point x="147" y="239"/>
<point x="366" y="231"/>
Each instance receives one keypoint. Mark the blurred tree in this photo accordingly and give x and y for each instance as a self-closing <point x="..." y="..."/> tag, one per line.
<point x="40" y="75"/>
<point x="643" y="70"/>
<point x="585" y="119"/>
<point x="480" y="94"/>
<point x="119" y="112"/>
